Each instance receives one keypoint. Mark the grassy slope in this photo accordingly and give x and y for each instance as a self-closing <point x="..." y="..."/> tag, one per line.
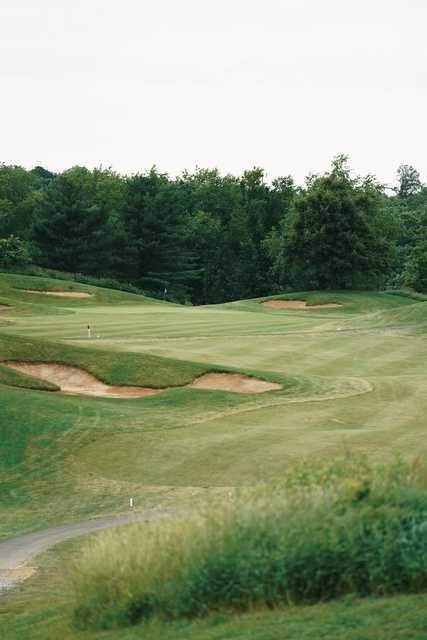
<point x="11" y="292"/>
<point x="121" y="369"/>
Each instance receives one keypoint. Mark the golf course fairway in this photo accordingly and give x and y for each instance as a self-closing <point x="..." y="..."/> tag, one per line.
<point x="349" y="376"/>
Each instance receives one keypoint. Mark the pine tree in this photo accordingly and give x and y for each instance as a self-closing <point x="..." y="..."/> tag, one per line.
<point x="70" y="232"/>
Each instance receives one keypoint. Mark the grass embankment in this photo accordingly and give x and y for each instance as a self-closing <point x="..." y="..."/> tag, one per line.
<point x="110" y="367"/>
<point x="15" y="379"/>
<point x="13" y="294"/>
<point x="413" y="317"/>
<point x="351" y="529"/>
<point x="352" y="302"/>
<point x="106" y="283"/>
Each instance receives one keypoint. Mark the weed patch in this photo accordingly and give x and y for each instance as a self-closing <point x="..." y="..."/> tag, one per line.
<point x="365" y="535"/>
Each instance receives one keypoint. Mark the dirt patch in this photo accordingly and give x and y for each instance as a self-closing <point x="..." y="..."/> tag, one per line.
<point x="22" y="572"/>
<point x="3" y="307"/>
<point x="12" y="577"/>
<point x="60" y="294"/>
<point x="299" y="304"/>
<point x="76" y="381"/>
<point x="233" y="382"/>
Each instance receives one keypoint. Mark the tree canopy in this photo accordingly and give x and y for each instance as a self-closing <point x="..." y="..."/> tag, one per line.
<point x="204" y="237"/>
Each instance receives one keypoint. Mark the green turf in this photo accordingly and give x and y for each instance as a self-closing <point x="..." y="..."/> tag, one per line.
<point x="354" y="378"/>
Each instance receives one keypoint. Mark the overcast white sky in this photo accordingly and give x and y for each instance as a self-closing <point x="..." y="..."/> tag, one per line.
<point x="282" y="84"/>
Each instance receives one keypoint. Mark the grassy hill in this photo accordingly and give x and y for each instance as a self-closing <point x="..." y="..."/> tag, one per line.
<point x="353" y="378"/>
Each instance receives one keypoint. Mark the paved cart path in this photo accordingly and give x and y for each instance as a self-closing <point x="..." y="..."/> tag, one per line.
<point x="15" y="553"/>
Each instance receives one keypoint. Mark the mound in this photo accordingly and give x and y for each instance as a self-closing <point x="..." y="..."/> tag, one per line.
<point x="75" y="381"/>
<point x="299" y="304"/>
<point x="233" y="382"/>
<point x="61" y="294"/>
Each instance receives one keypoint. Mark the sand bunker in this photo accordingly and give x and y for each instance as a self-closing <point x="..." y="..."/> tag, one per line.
<point x="298" y="304"/>
<point x="233" y="382"/>
<point x="75" y="381"/>
<point x="3" y="307"/>
<point x="61" y="294"/>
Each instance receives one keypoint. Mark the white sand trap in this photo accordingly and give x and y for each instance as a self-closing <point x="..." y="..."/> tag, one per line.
<point x="299" y="304"/>
<point x="233" y="382"/>
<point x="60" y="294"/>
<point x="76" y="381"/>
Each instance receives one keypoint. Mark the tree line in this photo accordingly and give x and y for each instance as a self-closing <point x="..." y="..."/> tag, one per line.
<point x="204" y="237"/>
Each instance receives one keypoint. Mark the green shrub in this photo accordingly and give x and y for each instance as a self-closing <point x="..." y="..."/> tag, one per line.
<point x="13" y="252"/>
<point x="365" y="534"/>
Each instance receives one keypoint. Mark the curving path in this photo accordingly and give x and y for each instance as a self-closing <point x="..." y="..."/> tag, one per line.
<point x="15" y="553"/>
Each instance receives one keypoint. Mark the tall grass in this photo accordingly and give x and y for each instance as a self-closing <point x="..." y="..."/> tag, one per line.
<point x="314" y="536"/>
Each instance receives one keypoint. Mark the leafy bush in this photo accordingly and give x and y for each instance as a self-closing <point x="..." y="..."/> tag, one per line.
<point x="416" y="266"/>
<point x="13" y="252"/>
<point x="314" y="536"/>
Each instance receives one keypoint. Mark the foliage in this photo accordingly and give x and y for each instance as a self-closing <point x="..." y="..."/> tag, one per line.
<point x="416" y="264"/>
<point x="203" y="237"/>
<point x="154" y="216"/>
<point x="334" y="533"/>
<point x="71" y="230"/>
<point x="336" y="237"/>
<point x="409" y="181"/>
<point x="41" y="611"/>
<point x="13" y="252"/>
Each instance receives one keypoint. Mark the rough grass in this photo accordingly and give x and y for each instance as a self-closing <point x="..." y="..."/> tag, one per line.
<point x="309" y="542"/>
<point x="42" y="610"/>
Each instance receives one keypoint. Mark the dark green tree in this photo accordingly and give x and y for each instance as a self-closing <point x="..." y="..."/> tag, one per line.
<point x="409" y="181"/>
<point x="18" y="194"/>
<point x="415" y="274"/>
<point x="338" y="235"/>
<point x="71" y="227"/>
<point x="154" y="217"/>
